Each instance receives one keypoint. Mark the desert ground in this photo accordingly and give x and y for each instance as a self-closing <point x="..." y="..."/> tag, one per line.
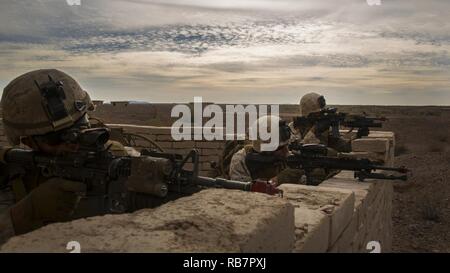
<point x="421" y="213"/>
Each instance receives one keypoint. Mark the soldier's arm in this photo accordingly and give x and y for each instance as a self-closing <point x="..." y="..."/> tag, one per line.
<point x="238" y="169"/>
<point x="339" y="144"/>
<point x="311" y="137"/>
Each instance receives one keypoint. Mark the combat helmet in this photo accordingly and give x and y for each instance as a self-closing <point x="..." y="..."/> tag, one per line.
<point x="310" y="103"/>
<point x="40" y="102"/>
<point x="266" y="121"/>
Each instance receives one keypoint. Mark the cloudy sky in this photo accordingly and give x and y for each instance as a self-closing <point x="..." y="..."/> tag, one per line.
<point x="237" y="51"/>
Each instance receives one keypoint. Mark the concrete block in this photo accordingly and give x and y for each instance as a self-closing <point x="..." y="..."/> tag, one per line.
<point x="183" y="144"/>
<point x="209" y="158"/>
<point x="374" y="156"/>
<point x="381" y="134"/>
<point x="149" y="136"/>
<point x="165" y="144"/>
<point x="206" y="166"/>
<point x="360" y="239"/>
<point x="384" y="134"/>
<point x="345" y="240"/>
<point x="213" y="220"/>
<point x="209" y="152"/>
<point x="361" y="212"/>
<point x="312" y="230"/>
<point x="209" y="144"/>
<point x="334" y="248"/>
<point x="337" y="203"/>
<point x="379" y="145"/>
<point x="343" y="182"/>
<point x="164" y="138"/>
<point x="371" y="208"/>
<point x="364" y="192"/>
<point x="160" y="130"/>
<point x="208" y="173"/>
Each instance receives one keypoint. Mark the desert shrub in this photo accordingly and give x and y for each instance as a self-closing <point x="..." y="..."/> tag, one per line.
<point x="400" y="150"/>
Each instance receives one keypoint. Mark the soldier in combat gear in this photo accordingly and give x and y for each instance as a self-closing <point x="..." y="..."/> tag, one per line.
<point x="313" y="134"/>
<point x="39" y="108"/>
<point x="243" y="169"/>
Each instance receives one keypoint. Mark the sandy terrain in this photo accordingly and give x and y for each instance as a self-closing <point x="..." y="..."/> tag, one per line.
<point x="422" y="205"/>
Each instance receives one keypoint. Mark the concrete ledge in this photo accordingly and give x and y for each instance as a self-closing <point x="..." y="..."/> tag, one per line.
<point x="213" y="220"/>
<point x="313" y="202"/>
<point x="378" y="145"/>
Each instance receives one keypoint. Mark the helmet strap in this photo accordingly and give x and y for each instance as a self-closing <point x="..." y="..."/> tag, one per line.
<point x="53" y="96"/>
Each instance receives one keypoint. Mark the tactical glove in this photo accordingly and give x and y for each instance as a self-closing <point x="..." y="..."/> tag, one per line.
<point x="53" y="201"/>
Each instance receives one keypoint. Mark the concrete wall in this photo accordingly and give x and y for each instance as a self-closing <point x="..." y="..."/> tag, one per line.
<point x="340" y="215"/>
<point x="214" y="220"/>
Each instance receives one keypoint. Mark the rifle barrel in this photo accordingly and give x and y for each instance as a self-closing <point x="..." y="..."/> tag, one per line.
<point x="314" y="161"/>
<point x="223" y="183"/>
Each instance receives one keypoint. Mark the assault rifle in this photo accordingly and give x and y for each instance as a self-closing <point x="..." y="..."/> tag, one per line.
<point x="330" y="117"/>
<point x="312" y="156"/>
<point x="111" y="179"/>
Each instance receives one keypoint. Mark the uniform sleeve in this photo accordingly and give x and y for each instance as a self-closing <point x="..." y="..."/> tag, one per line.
<point x="238" y="169"/>
<point x="296" y="135"/>
<point x="311" y="138"/>
<point x="340" y="144"/>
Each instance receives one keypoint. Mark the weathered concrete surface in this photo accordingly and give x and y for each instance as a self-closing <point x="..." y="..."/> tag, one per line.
<point x="321" y="215"/>
<point x="214" y="220"/>
<point x="372" y="217"/>
<point x="370" y="145"/>
<point x="238" y="221"/>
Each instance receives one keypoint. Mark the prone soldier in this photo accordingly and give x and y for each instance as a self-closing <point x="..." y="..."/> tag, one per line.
<point x="38" y="108"/>
<point x="42" y="110"/>
<point x="242" y="168"/>
<point x="70" y="170"/>
<point x="310" y="133"/>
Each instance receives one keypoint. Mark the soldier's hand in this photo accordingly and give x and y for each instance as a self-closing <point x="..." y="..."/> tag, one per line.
<point x="322" y="127"/>
<point x="362" y="132"/>
<point x="56" y="199"/>
<point x="53" y="201"/>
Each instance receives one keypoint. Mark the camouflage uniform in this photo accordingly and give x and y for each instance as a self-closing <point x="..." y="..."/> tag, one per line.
<point x="30" y="201"/>
<point x="22" y="187"/>
<point x="338" y="144"/>
<point x="308" y="135"/>
<point x="239" y="169"/>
